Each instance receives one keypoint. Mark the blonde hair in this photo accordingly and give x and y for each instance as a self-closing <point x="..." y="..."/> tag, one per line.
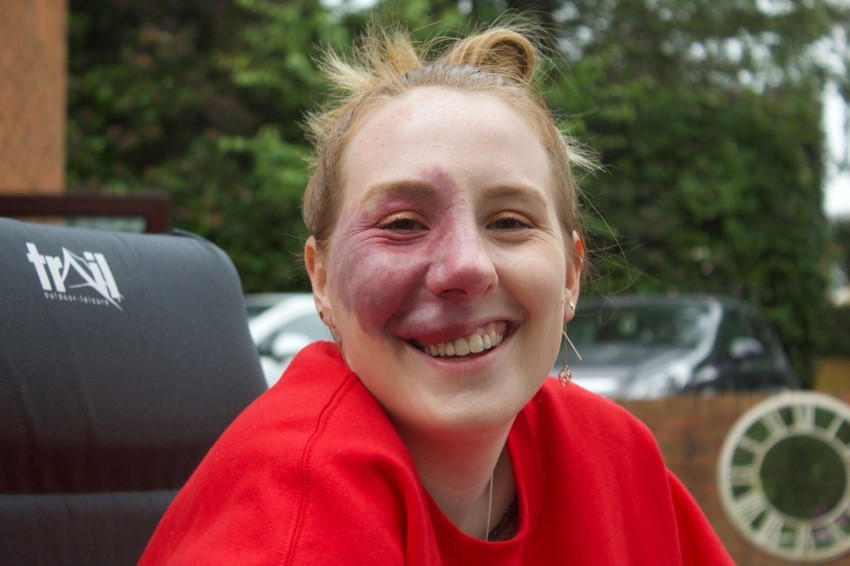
<point x="385" y="64"/>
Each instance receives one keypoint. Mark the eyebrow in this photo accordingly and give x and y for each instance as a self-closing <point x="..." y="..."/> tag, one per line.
<point x="417" y="188"/>
<point x="517" y="191"/>
<point x="411" y="188"/>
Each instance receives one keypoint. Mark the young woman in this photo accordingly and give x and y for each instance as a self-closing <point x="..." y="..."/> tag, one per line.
<point x="446" y="257"/>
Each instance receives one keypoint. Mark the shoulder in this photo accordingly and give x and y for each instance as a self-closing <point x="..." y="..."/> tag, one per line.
<point x="317" y="398"/>
<point x="315" y="388"/>
<point x="593" y="469"/>
<point x="318" y="420"/>
<point x="301" y="465"/>
<point x="588" y="415"/>
<point x="571" y="436"/>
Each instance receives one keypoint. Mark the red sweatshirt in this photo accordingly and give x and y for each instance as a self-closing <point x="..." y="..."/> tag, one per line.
<point x="314" y="473"/>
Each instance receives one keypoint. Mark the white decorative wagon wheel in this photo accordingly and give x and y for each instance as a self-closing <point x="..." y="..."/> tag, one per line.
<point x="784" y="476"/>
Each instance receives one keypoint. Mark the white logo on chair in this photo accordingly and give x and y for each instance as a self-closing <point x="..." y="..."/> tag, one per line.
<point x="60" y="275"/>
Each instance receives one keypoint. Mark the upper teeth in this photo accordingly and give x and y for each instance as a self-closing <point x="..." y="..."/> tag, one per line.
<point x="474" y="344"/>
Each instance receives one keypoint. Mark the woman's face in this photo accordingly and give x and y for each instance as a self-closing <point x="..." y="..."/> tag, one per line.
<point x="446" y="277"/>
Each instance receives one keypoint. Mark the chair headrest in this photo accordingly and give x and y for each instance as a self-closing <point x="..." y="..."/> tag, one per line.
<point x="122" y="356"/>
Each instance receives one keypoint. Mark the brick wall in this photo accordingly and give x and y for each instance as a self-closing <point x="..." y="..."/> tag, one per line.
<point x="691" y="431"/>
<point x="33" y="56"/>
<point x="833" y="375"/>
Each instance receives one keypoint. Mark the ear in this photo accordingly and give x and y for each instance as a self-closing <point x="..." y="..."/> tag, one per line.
<point x="314" y="261"/>
<point x="575" y="264"/>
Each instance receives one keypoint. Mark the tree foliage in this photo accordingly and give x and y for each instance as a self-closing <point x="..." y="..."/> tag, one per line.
<point x="202" y="101"/>
<point x="706" y="114"/>
<point x="708" y="117"/>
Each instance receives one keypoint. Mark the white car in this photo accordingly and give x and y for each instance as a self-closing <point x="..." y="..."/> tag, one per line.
<point x="281" y="330"/>
<point x="255" y="303"/>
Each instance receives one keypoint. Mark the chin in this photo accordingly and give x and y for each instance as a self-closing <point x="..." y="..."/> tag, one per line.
<point x="471" y="412"/>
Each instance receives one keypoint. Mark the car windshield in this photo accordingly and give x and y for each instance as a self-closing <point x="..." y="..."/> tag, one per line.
<point x="677" y="325"/>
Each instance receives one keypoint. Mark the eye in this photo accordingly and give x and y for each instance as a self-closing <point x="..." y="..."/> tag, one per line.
<point x="510" y="221"/>
<point x="403" y="221"/>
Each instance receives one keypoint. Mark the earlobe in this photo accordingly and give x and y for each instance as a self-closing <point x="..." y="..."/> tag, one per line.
<point x="315" y="263"/>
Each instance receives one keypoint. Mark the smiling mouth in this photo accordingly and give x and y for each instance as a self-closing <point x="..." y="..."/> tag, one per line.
<point x="483" y="339"/>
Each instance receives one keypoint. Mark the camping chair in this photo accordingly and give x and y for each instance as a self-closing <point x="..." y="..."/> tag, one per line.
<point x="122" y="358"/>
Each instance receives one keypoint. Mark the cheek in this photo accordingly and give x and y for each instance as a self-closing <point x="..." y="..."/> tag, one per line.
<point x="374" y="282"/>
<point x="540" y="284"/>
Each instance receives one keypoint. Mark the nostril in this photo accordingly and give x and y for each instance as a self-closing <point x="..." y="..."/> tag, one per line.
<point x="462" y="277"/>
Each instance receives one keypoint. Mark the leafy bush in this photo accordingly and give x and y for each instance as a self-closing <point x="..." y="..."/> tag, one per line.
<point x="836" y="335"/>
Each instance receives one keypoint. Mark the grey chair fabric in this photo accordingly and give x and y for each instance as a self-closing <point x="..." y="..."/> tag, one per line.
<point x="122" y="358"/>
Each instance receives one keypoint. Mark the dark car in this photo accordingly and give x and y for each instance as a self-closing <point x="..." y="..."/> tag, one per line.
<point x="652" y="346"/>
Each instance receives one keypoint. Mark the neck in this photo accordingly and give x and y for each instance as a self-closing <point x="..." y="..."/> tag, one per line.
<point x="457" y="475"/>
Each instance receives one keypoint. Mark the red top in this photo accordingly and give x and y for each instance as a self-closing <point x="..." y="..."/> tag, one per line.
<point x="314" y="473"/>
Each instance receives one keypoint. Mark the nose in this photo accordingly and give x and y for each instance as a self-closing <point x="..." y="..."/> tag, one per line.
<point x="461" y="265"/>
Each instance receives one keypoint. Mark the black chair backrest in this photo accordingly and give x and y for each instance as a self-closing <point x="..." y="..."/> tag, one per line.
<point x="122" y="358"/>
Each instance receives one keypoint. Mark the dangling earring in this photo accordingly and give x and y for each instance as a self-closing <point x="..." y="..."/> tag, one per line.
<point x="565" y="375"/>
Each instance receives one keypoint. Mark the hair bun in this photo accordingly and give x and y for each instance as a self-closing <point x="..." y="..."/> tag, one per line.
<point x="501" y="51"/>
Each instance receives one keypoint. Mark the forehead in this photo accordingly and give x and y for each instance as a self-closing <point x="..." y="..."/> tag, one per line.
<point x="440" y="136"/>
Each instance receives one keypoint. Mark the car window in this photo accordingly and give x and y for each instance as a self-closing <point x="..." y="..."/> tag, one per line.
<point x="734" y="325"/>
<point x="679" y="325"/>
<point x="772" y="347"/>
<point x="754" y="371"/>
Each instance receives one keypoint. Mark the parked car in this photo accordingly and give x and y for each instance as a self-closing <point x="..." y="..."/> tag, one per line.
<point x="645" y="347"/>
<point x="281" y="330"/>
<point x="255" y="303"/>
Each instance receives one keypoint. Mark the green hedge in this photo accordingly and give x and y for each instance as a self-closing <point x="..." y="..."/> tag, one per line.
<point x="836" y="332"/>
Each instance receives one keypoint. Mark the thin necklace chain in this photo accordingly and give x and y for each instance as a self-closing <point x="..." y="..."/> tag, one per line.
<point x="489" y="507"/>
